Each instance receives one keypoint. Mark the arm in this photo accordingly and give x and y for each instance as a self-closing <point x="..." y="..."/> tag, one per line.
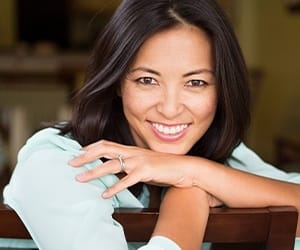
<point x="59" y="212"/>
<point x="240" y="189"/>
<point x="183" y="217"/>
<point x="233" y="187"/>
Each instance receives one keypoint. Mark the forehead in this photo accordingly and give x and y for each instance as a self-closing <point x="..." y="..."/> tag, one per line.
<point x="178" y="45"/>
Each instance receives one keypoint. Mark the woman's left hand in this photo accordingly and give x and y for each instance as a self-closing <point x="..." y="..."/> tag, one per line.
<point x="141" y="165"/>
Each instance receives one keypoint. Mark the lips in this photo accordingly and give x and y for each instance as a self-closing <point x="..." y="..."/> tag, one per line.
<point x="169" y="132"/>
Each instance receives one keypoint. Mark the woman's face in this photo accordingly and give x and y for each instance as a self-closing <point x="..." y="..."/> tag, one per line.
<point x="169" y="93"/>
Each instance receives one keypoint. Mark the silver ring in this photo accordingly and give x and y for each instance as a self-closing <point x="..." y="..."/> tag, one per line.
<point x="122" y="163"/>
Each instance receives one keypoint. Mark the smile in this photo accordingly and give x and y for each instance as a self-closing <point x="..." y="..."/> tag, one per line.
<point x="169" y="130"/>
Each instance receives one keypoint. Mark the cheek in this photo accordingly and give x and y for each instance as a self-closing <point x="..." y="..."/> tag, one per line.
<point x="133" y="104"/>
<point x="211" y="107"/>
<point x="205" y="107"/>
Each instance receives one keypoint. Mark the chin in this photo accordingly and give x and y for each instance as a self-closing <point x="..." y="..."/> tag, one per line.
<point x="170" y="149"/>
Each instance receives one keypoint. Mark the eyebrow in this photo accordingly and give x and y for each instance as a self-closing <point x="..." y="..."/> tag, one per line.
<point x="144" y="69"/>
<point x="198" y="71"/>
<point x="194" y="72"/>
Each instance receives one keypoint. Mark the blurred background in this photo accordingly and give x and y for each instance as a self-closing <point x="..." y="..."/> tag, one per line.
<point x="44" y="46"/>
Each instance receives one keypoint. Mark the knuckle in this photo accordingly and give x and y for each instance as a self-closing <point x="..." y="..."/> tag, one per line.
<point x="84" y="157"/>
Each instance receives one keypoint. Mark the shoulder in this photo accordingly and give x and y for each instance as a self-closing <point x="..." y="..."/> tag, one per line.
<point x="42" y="171"/>
<point x="245" y="159"/>
<point x="51" y="137"/>
<point x="52" y="204"/>
<point x="46" y="139"/>
<point x="43" y="167"/>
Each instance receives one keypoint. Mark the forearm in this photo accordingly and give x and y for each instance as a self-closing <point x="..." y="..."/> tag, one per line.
<point x="240" y="189"/>
<point x="183" y="217"/>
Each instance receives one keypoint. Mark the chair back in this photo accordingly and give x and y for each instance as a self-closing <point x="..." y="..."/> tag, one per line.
<point x="272" y="228"/>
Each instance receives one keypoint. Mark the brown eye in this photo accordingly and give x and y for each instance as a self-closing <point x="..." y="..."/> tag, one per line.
<point x="147" y="80"/>
<point x="196" y="83"/>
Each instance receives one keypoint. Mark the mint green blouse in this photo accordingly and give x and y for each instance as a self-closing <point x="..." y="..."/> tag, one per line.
<point x="61" y="213"/>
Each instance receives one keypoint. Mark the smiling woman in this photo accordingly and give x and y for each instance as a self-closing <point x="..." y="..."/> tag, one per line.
<point x="165" y="104"/>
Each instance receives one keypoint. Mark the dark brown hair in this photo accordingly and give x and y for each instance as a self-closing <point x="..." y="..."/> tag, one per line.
<point x="98" y="112"/>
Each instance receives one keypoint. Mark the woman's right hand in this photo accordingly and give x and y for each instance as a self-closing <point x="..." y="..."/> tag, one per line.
<point x="141" y="165"/>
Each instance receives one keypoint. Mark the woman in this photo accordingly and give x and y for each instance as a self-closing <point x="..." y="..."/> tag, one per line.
<point x="165" y="103"/>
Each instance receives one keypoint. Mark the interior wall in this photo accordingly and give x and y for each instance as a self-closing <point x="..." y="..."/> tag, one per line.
<point x="270" y="38"/>
<point x="7" y="23"/>
<point x="28" y="106"/>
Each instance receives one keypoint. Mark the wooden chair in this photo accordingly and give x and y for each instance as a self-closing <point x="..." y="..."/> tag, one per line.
<point x="271" y="228"/>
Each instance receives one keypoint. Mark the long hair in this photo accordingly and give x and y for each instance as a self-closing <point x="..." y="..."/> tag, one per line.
<point x="98" y="112"/>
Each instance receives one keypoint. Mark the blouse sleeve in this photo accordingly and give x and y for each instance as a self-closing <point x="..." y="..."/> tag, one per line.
<point x="160" y="243"/>
<point x="58" y="211"/>
<point x="245" y="159"/>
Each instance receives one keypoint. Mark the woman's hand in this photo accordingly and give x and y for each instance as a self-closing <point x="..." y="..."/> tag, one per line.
<point x="141" y="165"/>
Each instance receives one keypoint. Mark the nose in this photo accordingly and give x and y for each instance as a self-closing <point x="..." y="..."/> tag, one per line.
<point x="170" y="104"/>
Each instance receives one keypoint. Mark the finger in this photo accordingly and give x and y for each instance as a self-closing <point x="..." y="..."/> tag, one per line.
<point x="109" y="167"/>
<point x="91" y="155"/>
<point x="100" y="143"/>
<point x="112" y="148"/>
<point x="98" y="150"/>
<point x="124" y="183"/>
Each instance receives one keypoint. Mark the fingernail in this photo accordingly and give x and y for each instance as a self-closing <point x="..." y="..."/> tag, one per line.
<point x="80" y="177"/>
<point x="74" y="163"/>
<point x="105" y="195"/>
<point x="71" y="162"/>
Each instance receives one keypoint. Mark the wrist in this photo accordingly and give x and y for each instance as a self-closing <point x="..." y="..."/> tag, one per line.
<point x="196" y="171"/>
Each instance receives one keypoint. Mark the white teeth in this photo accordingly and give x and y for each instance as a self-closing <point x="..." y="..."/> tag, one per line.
<point x="169" y="130"/>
